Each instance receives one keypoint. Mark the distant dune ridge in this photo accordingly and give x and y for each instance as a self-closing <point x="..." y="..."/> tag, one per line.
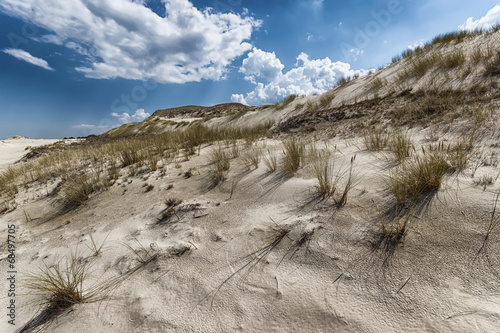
<point x="369" y="208"/>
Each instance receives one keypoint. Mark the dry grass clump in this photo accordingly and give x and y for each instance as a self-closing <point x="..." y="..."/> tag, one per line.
<point x="219" y="159"/>
<point x="400" y="145"/>
<point x="252" y="158"/>
<point x="325" y="174"/>
<point x="62" y="285"/>
<point x="423" y="173"/>
<point x="77" y="190"/>
<point x="492" y="66"/>
<point x="293" y="150"/>
<point x="285" y="102"/>
<point x="8" y="188"/>
<point x="456" y="154"/>
<point x="453" y="60"/>
<point x="329" y="180"/>
<point x="418" y="176"/>
<point x="375" y="139"/>
<point x="325" y="100"/>
<point x="271" y="160"/>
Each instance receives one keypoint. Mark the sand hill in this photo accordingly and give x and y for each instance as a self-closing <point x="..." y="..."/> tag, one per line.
<point x="370" y="208"/>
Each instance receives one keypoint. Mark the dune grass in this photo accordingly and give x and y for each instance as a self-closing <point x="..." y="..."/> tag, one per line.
<point x="252" y="158"/>
<point x="329" y="180"/>
<point x="220" y="161"/>
<point x="375" y="139"/>
<point x="61" y="285"/>
<point x="293" y="155"/>
<point x="418" y="176"/>
<point x="400" y="145"/>
<point x="271" y="160"/>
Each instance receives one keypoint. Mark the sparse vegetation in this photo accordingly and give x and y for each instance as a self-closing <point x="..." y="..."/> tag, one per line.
<point x="61" y="285"/>
<point x="400" y="145"/>
<point x="293" y="154"/>
<point x="325" y="100"/>
<point x="271" y="160"/>
<point x="219" y="159"/>
<point x="329" y="180"/>
<point x="418" y="176"/>
<point x="286" y="102"/>
<point x="375" y="139"/>
<point x="252" y="158"/>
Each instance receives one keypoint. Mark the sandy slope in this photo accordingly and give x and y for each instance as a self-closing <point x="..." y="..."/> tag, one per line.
<point x="326" y="275"/>
<point x="12" y="149"/>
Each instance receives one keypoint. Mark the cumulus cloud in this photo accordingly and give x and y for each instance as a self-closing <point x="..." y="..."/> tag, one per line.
<point x="125" y="118"/>
<point x="23" y="55"/>
<point x="306" y="78"/>
<point x="261" y="64"/>
<point x="126" y="39"/>
<point x="486" y="22"/>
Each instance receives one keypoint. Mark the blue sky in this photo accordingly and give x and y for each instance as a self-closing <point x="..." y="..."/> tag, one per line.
<point x="76" y="67"/>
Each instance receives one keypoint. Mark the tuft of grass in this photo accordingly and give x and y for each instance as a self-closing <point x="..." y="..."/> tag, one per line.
<point x="376" y="84"/>
<point x="61" y="285"/>
<point x="271" y="160"/>
<point x="285" y="102"/>
<point x="172" y="202"/>
<point x="324" y="173"/>
<point x="252" y="158"/>
<point x="78" y="190"/>
<point x="375" y="139"/>
<point x="293" y="150"/>
<point x="400" y="145"/>
<point x="492" y="67"/>
<point x="149" y="187"/>
<point x="328" y="180"/>
<point x="453" y="60"/>
<point x="418" y="176"/>
<point x="219" y="159"/>
<point x="325" y="100"/>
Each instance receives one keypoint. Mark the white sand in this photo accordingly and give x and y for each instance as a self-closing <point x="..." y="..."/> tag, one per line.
<point x="13" y="149"/>
<point x="334" y="281"/>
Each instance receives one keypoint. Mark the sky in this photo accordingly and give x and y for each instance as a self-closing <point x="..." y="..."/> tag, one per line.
<point x="80" y="67"/>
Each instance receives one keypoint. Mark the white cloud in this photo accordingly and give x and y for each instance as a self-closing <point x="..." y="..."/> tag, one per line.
<point x="124" y="38"/>
<point x="125" y="118"/>
<point x="306" y="78"/>
<point x="106" y="124"/>
<point x="261" y="64"/>
<point x="486" y="22"/>
<point x="416" y="45"/>
<point x="23" y="55"/>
